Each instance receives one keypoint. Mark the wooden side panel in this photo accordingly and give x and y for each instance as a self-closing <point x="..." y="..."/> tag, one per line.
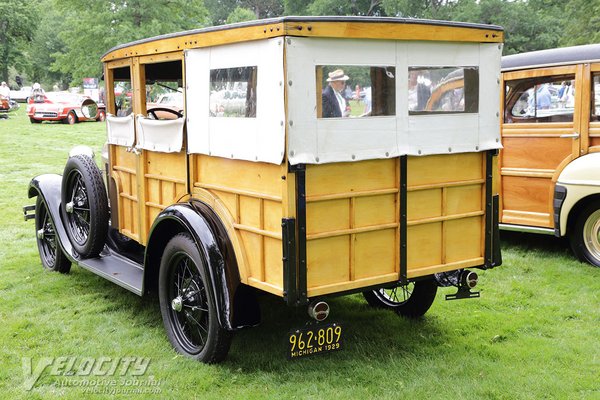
<point x="165" y="178"/>
<point x="248" y="197"/>
<point x="446" y="212"/>
<point x="352" y="218"/>
<point x="123" y="171"/>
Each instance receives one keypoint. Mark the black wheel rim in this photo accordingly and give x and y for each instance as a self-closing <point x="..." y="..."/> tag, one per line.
<point x="46" y="237"/>
<point x="188" y="310"/>
<point x="78" y="209"/>
<point x="397" y="296"/>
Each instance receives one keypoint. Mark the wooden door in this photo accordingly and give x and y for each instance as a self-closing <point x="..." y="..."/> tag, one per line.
<point x="543" y="130"/>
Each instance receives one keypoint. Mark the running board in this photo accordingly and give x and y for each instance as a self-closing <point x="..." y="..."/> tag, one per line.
<point x="117" y="269"/>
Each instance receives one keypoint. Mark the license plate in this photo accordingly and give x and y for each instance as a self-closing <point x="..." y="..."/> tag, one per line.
<point x="313" y="340"/>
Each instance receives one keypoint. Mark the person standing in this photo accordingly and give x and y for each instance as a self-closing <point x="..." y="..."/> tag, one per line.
<point x="334" y="104"/>
<point x="5" y="90"/>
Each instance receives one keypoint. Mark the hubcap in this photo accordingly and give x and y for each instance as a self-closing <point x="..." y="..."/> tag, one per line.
<point x="177" y="304"/>
<point x="591" y="234"/>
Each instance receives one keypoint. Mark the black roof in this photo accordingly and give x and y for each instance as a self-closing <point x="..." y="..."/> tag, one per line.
<point x="277" y="20"/>
<point x="552" y="57"/>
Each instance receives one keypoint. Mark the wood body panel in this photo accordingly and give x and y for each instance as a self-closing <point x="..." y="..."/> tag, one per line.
<point x="534" y="154"/>
<point x="248" y="197"/>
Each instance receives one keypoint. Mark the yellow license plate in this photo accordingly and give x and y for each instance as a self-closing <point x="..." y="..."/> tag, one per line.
<point x="314" y="339"/>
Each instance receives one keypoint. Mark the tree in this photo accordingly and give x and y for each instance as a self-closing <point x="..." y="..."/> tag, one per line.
<point x="344" y="7"/>
<point x="582" y="22"/>
<point x="17" y="22"/>
<point x="92" y="28"/>
<point x="240" y="14"/>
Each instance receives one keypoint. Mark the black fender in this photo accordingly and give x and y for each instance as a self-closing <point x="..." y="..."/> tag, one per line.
<point x="235" y="302"/>
<point x="48" y="186"/>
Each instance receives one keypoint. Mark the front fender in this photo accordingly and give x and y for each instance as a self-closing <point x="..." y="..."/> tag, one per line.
<point x="581" y="179"/>
<point x="210" y="236"/>
<point x="49" y="187"/>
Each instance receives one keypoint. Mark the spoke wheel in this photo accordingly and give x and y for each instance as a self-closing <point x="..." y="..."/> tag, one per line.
<point x="186" y="303"/>
<point x="412" y="300"/>
<point x="85" y="206"/>
<point x="51" y="254"/>
<point x="585" y="235"/>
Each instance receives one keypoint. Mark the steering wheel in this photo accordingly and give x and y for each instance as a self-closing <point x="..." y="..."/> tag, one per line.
<point x="152" y="112"/>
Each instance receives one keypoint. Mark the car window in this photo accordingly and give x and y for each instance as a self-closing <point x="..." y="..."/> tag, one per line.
<point x="233" y="92"/>
<point x="433" y="90"/>
<point x="355" y="91"/>
<point x="546" y="99"/>
<point x="595" y="115"/>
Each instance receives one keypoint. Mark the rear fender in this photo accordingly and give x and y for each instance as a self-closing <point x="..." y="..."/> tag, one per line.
<point x="236" y="304"/>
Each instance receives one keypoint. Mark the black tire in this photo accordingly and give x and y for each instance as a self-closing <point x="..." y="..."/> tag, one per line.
<point x="84" y="206"/>
<point x="186" y="304"/>
<point x="411" y="301"/>
<point x="585" y="234"/>
<point x="52" y="256"/>
<point x="34" y="121"/>
<point x="101" y="116"/>
<point x="71" y="118"/>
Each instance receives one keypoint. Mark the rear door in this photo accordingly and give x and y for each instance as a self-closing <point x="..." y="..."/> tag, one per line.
<point x="542" y="131"/>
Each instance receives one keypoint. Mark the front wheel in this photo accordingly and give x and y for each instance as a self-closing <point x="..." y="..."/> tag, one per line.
<point x="412" y="300"/>
<point x="71" y="118"/>
<point x="52" y="256"/>
<point x="585" y="235"/>
<point x="187" y="307"/>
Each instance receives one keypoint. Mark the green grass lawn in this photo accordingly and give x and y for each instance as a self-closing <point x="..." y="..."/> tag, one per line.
<point x="533" y="334"/>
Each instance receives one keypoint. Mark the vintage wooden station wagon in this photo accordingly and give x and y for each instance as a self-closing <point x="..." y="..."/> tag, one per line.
<point x="310" y="160"/>
<point x="550" y="165"/>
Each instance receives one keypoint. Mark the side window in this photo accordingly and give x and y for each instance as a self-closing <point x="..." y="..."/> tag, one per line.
<point x="355" y="91"/>
<point x="164" y="91"/>
<point x="596" y="98"/>
<point x="435" y="90"/>
<point x="233" y="92"/>
<point x="546" y="99"/>
<point x="123" y="92"/>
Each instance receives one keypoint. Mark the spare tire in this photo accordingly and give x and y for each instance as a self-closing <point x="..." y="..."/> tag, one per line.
<point x="84" y="205"/>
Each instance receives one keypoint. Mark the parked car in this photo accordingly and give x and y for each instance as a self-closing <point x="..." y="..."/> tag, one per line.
<point x="63" y="106"/>
<point x="7" y="106"/>
<point x="550" y="164"/>
<point x="21" y="95"/>
<point x="270" y="193"/>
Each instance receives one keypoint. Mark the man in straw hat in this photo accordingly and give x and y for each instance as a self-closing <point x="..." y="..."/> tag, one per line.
<point x="334" y="104"/>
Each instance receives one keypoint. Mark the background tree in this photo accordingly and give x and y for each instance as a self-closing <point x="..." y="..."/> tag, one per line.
<point x="92" y="28"/>
<point x="17" y="23"/>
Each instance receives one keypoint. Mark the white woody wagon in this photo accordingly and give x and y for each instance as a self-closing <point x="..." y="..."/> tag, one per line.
<point x="253" y="188"/>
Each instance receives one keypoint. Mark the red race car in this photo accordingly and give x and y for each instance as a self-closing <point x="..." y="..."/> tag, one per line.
<point x="63" y="106"/>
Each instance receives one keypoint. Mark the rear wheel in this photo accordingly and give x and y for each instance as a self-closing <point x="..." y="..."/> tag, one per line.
<point x="187" y="307"/>
<point x="412" y="300"/>
<point x="585" y="235"/>
<point x="52" y="256"/>
<point x="85" y="205"/>
<point x="101" y="116"/>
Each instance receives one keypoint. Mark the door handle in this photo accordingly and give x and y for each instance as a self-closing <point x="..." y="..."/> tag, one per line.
<point x="574" y="135"/>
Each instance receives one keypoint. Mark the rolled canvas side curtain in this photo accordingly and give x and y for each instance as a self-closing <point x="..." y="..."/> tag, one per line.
<point x="165" y="136"/>
<point x="121" y="130"/>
